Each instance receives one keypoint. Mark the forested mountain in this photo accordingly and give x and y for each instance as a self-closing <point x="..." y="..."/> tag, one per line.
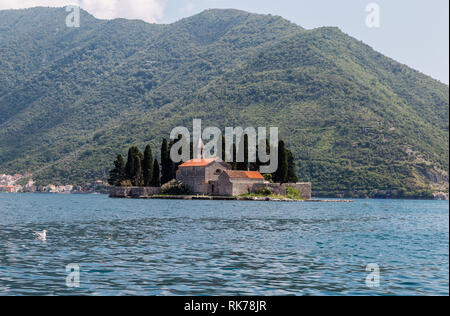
<point x="357" y="122"/>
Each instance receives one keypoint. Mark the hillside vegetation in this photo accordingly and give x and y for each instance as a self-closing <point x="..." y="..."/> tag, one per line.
<point x="358" y="123"/>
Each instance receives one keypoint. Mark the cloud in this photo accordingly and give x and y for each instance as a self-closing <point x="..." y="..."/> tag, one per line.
<point x="148" y="10"/>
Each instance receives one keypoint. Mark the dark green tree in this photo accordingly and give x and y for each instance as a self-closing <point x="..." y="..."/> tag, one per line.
<point x="133" y="168"/>
<point x="117" y="174"/>
<point x="166" y="163"/>
<point x="174" y="166"/>
<point x="138" y="179"/>
<point x="130" y="166"/>
<point x="244" y="164"/>
<point x="156" y="180"/>
<point x="234" y="163"/>
<point x="222" y="144"/>
<point x="246" y="155"/>
<point x="255" y="166"/>
<point x="292" y="176"/>
<point x="191" y="148"/>
<point x="281" y="175"/>
<point x="147" y="166"/>
<point x="224" y="156"/>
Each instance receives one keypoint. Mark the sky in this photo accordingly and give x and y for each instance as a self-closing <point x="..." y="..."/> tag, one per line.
<point x="413" y="32"/>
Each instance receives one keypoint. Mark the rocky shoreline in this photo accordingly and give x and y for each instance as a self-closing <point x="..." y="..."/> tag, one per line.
<point x="224" y="198"/>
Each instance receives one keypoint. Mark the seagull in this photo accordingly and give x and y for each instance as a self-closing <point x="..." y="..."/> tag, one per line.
<point x="43" y="235"/>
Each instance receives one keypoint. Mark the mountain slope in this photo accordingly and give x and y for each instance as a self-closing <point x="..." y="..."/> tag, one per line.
<point x="358" y="122"/>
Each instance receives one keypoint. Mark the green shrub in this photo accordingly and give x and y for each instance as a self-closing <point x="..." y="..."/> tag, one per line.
<point x="293" y="193"/>
<point x="125" y="183"/>
<point x="264" y="191"/>
<point x="175" y="187"/>
<point x="268" y="177"/>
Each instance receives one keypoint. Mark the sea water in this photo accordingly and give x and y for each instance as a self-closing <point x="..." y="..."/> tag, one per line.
<point x="101" y="246"/>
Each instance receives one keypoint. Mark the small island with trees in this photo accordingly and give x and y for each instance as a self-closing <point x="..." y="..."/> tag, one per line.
<point x="141" y="175"/>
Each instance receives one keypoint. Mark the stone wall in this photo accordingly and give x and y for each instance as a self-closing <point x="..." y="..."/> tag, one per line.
<point x="197" y="178"/>
<point x="215" y="170"/>
<point x="303" y="187"/>
<point x="280" y="189"/>
<point x="276" y="188"/>
<point x="193" y="178"/>
<point x="241" y="186"/>
<point x="133" y="192"/>
<point x="222" y="187"/>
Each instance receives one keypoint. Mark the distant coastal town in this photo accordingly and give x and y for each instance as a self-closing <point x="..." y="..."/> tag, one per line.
<point x="24" y="183"/>
<point x="16" y="183"/>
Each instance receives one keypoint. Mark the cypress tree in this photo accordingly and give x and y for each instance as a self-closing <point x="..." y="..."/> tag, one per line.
<point x="133" y="168"/>
<point x="246" y="157"/>
<point x="244" y="165"/>
<point x="129" y="168"/>
<point x="254" y="166"/>
<point x="117" y="174"/>
<point x="191" y="148"/>
<point x="259" y="163"/>
<point x="234" y="163"/>
<point x="292" y="176"/>
<point x="156" y="180"/>
<point x="223" y="148"/>
<point x="138" y="177"/>
<point x="281" y="175"/>
<point x="147" y="166"/>
<point x="166" y="163"/>
<point x="174" y="166"/>
<point x="246" y="162"/>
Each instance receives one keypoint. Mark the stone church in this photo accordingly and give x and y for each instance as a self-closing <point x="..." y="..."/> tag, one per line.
<point x="212" y="176"/>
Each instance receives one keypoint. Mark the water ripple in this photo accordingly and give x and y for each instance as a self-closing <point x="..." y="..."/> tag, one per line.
<point x="151" y="247"/>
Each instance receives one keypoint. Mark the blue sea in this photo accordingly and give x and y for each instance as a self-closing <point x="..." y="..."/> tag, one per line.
<point x="172" y="247"/>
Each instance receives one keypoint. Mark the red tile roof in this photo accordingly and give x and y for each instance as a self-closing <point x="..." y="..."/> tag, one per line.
<point x="254" y="175"/>
<point x="244" y="174"/>
<point x="198" y="162"/>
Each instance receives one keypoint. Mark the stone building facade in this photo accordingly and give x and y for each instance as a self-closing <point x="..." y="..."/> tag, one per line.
<point x="233" y="182"/>
<point x="198" y="173"/>
<point x="215" y="177"/>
